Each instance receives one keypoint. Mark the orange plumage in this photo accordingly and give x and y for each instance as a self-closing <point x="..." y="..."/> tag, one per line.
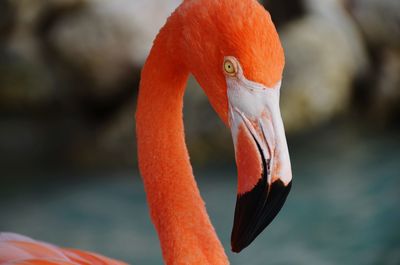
<point x="20" y="250"/>
<point x="195" y="40"/>
<point x="208" y="30"/>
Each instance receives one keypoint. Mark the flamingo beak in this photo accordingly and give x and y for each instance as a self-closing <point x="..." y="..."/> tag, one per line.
<point x="262" y="158"/>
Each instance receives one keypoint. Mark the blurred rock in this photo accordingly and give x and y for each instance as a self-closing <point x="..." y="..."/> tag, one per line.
<point x="22" y="39"/>
<point x="208" y="138"/>
<point x="324" y="53"/>
<point x="25" y="77"/>
<point x="7" y="18"/>
<point x="23" y="82"/>
<point x="378" y="20"/>
<point x="103" y="40"/>
<point x="386" y="95"/>
<point x="28" y="14"/>
<point x="112" y="143"/>
<point x="284" y="11"/>
<point x="25" y="86"/>
<point x="71" y="68"/>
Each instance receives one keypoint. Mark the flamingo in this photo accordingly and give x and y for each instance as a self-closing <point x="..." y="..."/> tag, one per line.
<point x="233" y="50"/>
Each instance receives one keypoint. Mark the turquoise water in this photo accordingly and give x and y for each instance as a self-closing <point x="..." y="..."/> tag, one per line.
<point x="343" y="207"/>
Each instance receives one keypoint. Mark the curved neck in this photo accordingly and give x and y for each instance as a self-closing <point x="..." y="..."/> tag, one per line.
<point x="176" y="208"/>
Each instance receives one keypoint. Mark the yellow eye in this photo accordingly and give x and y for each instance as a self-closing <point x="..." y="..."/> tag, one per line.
<point x="229" y="67"/>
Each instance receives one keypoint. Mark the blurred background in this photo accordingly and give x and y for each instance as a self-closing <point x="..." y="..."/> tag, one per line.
<point x="69" y="73"/>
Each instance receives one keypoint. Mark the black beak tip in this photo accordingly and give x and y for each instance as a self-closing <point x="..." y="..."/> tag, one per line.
<point x="236" y="248"/>
<point x="238" y="245"/>
<point x="255" y="210"/>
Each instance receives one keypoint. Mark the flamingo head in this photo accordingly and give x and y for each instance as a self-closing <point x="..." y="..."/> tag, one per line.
<point x="233" y="50"/>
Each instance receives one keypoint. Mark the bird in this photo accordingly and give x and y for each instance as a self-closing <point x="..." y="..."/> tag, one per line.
<point x="232" y="49"/>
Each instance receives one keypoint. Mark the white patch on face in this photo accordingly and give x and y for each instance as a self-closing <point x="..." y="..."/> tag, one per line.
<point x="253" y="103"/>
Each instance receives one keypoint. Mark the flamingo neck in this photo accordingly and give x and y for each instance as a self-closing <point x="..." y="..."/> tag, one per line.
<point x="176" y="207"/>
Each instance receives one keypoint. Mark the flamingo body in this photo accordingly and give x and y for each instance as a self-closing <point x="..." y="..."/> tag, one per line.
<point x="233" y="50"/>
<point x="197" y="38"/>
<point x="21" y="250"/>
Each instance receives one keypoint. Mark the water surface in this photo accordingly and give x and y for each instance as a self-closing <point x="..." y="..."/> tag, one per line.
<point x="343" y="207"/>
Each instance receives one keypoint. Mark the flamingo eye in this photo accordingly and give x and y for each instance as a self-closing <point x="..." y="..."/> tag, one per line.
<point x="229" y="67"/>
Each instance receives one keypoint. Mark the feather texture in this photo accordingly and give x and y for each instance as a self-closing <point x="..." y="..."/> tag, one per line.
<point x="21" y="250"/>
